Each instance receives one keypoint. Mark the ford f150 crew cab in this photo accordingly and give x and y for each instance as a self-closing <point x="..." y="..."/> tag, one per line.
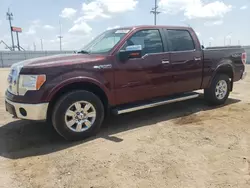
<point x="120" y="71"/>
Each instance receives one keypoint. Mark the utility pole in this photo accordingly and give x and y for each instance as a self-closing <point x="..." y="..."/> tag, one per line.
<point x="155" y="12"/>
<point x="226" y="37"/>
<point x="60" y="36"/>
<point x="9" y="17"/>
<point x="42" y="44"/>
<point x="17" y="38"/>
<point x="34" y="44"/>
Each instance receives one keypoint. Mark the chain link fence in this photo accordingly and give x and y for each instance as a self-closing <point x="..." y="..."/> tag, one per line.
<point x="7" y="58"/>
<point x="248" y="54"/>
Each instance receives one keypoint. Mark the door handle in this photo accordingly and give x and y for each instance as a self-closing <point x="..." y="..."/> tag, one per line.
<point x="165" y="61"/>
<point x="197" y="58"/>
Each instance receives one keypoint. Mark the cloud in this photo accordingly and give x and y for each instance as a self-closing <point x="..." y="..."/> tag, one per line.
<point x="212" y="23"/>
<point x="114" y="27"/>
<point x="244" y="7"/>
<point x="93" y="10"/>
<point x="31" y="31"/>
<point x="80" y="28"/>
<point x="72" y="41"/>
<point x="211" y="38"/>
<point x="35" y="22"/>
<point x="48" y="27"/>
<point x="103" y="8"/>
<point x="218" y="22"/>
<point x="195" y="9"/>
<point x="1" y="22"/>
<point x="115" y="6"/>
<point x="32" y="28"/>
<point x="68" y="13"/>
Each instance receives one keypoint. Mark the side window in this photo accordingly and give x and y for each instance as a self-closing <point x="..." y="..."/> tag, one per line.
<point x="150" y="40"/>
<point x="180" y="40"/>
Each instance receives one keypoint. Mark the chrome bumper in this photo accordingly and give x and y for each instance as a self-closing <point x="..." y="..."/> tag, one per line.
<point x="244" y="75"/>
<point x="27" y="111"/>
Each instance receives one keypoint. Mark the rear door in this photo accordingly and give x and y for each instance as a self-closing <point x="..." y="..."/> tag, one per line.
<point x="186" y="60"/>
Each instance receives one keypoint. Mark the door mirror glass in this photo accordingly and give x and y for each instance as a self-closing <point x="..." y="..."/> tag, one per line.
<point x="130" y="52"/>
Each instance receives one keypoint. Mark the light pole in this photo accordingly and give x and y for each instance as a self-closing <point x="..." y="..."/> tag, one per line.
<point x="42" y="44"/>
<point x="225" y="37"/>
<point x="9" y="17"/>
<point x="34" y="45"/>
<point x="155" y="12"/>
<point x="60" y="36"/>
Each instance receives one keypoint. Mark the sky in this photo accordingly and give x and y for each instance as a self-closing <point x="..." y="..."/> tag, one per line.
<point x="215" y="21"/>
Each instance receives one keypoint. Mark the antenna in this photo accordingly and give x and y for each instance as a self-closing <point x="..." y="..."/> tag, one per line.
<point x="155" y="12"/>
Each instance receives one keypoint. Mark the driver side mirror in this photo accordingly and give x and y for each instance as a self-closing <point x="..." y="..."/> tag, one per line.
<point x="134" y="51"/>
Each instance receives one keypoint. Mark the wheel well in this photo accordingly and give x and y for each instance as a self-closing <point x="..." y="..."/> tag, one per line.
<point x="227" y="70"/>
<point x="78" y="86"/>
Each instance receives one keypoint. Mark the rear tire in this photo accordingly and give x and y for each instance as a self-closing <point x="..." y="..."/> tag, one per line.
<point x="78" y="115"/>
<point x="218" y="92"/>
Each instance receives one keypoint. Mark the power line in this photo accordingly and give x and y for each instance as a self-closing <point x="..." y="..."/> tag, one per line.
<point x="155" y="12"/>
<point x="9" y="16"/>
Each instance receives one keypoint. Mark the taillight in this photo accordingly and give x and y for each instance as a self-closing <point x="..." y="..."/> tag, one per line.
<point x="244" y="58"/>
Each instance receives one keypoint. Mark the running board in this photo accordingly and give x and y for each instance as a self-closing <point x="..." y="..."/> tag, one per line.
<point x="155" y="103"/>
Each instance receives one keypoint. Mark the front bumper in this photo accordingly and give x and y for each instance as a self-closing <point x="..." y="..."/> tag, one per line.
<point x="244" y="75"/>
<point x="27" y="111"/>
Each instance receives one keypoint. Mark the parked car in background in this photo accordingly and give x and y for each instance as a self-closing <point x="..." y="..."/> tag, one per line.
<point x="121" y="71"/>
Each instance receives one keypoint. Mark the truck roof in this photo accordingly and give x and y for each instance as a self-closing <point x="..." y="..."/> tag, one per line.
<point x="154" y="26"/>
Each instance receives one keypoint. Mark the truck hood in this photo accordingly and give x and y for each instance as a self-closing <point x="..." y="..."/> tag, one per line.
<point x="56" y="60"/>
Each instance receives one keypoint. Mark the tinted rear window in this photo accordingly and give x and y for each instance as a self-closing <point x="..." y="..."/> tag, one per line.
<point x="180" y="40"/>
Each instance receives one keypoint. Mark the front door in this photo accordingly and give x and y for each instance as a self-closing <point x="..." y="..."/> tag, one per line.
<point x="141" y="78"/>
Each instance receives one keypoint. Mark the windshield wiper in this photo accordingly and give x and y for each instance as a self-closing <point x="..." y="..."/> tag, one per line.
<point x="83" y="52"/>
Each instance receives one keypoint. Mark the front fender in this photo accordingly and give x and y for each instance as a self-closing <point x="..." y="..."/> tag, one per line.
<point x="79" y="77"/>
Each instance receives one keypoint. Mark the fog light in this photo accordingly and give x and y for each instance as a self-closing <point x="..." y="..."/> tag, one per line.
<point x="22" y="111"/>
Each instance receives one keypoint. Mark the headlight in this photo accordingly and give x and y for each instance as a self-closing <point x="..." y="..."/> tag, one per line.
<point x="30" y="82"/>
<point x="13" y="78"/>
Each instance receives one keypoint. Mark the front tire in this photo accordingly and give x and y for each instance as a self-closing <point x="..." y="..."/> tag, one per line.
<point x="78" y="115"/>
<point x="218" y="92"/>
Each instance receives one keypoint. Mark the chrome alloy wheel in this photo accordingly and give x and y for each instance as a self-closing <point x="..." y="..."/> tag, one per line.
<point x="221" y="89"/>
<point x="80" y="116"/>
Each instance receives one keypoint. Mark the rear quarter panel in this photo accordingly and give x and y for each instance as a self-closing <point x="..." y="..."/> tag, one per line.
<point x="215" y="58"/>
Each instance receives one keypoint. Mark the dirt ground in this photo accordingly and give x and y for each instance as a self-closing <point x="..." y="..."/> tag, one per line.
<point x="182" y="145"/>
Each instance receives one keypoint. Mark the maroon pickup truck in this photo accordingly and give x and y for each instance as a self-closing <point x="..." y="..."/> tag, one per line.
<point x="120" y="71"/>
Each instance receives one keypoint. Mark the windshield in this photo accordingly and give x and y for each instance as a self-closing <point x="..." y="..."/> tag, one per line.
<point x="104" y="42"/>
